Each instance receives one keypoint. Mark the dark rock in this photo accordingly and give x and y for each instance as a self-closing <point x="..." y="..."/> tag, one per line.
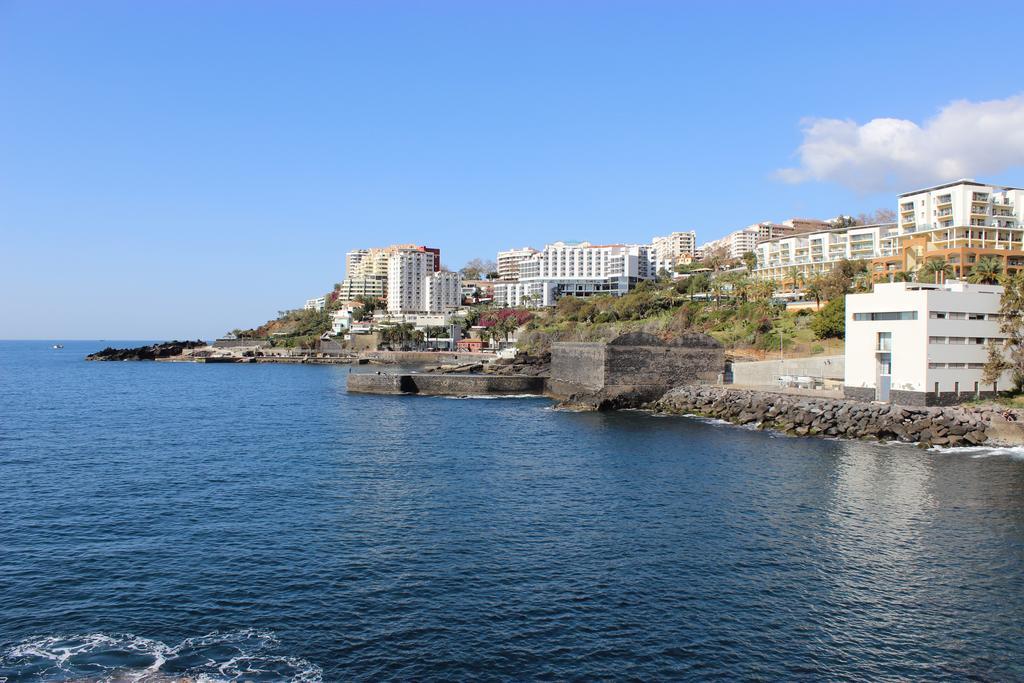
<point x="152" y="352"/>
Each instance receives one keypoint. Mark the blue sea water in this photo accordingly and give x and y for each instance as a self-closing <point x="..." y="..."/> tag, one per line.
<point x="255" y="522"/>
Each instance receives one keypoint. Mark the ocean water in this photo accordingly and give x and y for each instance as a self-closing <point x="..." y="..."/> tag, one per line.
<point x="167" y="521"/>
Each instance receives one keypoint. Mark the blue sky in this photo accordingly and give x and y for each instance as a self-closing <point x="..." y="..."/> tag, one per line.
<point x="177" y="169"/>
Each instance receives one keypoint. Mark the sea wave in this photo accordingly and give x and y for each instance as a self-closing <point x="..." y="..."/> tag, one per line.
<point x="1016" y="452"/>
<point x="248" y="655"/>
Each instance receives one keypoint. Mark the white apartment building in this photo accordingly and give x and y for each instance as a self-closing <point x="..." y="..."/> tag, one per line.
<point x="369" y="286"/>
<point x="959" y="222"/>
<point x="316" y="304"/>
<point x="740" y="242"/>
<point x="407" y="274"/>
<point x="415" y="286"/>
<point x="817" y="253"/>
<point x="509" y="260"/>
<point x="442" y="292"/>
<point x="575" y="269"/>
<point x="922" y="344"/>
<point x="666" y="252"/>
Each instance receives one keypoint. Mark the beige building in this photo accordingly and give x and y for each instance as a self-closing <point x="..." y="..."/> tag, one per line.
<point x="509" y="261"/>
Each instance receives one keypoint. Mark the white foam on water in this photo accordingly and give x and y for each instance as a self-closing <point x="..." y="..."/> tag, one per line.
<point x="1015" y="452"/>
<point x="254" y="655"/>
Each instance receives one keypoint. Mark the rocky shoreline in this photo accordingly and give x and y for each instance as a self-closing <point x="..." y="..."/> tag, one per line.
<point x="846" y="419"/>
<point x="150" y="352"/>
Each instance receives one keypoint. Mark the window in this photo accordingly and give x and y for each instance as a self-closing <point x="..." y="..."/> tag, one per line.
<point x="957" y="316"/>
<point x="977" y="340"/>
<point x="936" y="340"/>
<point x="958" y="366"/>
<point x="957" y="340"/>
<point x="975" y="366"/>
<point x="936" y="366"/>
<point x="975" y="316"/>
<point x="940" y="315"/>
<point x="886" y="315"/>
<point x="884" y="341"/>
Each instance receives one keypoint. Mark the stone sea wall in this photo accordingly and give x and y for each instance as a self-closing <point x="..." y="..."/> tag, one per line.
<point x="444" y="385"/>
<point x="812" y="416"/>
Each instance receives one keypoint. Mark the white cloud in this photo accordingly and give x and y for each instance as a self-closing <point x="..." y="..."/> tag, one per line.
<point x="965" y="140"/>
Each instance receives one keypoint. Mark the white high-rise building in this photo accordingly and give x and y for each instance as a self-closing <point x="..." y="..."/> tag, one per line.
<point x="576" y="269"/>
<point x="666" y="251"/>
<point x="442" y="292"/>
<point x="416" y="286"/>
<point x="407" y="273"/>
<point x="509" y="260"/>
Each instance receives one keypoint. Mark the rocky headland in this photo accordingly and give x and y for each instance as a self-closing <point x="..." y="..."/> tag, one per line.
<point x="846" y="419"/>
<point x="150" y="352"/>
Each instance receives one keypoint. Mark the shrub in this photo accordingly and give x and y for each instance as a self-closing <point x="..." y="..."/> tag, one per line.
<point x="830" y="321"/>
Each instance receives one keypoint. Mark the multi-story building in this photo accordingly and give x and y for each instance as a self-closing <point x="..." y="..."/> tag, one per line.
<point x="316" y="304"/>
<point x="442" y="292"/>
<point x="509" y="260"/>
<point x="415" y="285"/>
<point x="666" y="252"/>
<point x="959" y="222"/>
<point x="922" y="344"/>
<point x="740" y="242"/>
<point x="576" y="269"/>
<point x="368" y="286"/>
<point x="407" y="274"/>
<point x="815" y="253"/>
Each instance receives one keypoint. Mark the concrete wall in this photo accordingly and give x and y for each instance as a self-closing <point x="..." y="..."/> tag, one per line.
<point x="631" y="369"/>
<point x="444" y="385"/>
<point x="767" y="372"/>
<point x="578" y="366"/>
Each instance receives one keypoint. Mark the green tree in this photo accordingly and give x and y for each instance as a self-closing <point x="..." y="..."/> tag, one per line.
<point x="936" y="269"/>
<point x="815" y="288"/>
<point x="750" y="261"/>
<point x="986" y="271"/>
<point x="1009" y="355"/>
<point x="830" y="321"/>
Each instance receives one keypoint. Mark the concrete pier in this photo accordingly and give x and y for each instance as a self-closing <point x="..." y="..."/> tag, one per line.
<point x="444" y="385"/>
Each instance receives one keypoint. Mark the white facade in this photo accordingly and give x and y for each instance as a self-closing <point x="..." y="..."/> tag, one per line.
<point x="963" y="204"/>
<point x="576" y="269"/>
<point x="415" y="286"/>
<point x="315" y="304"/>
<point x="921" y="343"/>
<point x="442" y="292"/>
<point x="509" y="260"/>
<point x="818" y="252"/>
<point x="407" y="274"/>
<point x="665" y="252"/>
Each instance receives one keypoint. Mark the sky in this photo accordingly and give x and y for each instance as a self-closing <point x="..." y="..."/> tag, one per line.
<point x="173" y="169"/>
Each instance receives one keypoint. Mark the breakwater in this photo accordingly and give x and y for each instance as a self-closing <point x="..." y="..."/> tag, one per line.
<point x="444" y="385"/>
<point x="840" y="418"/>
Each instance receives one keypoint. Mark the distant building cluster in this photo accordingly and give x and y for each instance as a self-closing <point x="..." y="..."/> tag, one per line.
<point x="960" y="222"/>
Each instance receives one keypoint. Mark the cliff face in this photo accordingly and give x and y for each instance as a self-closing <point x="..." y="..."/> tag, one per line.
<point x="151" y="352"/>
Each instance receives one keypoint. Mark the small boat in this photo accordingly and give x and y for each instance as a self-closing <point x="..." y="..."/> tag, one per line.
<point x="58" y="346"/>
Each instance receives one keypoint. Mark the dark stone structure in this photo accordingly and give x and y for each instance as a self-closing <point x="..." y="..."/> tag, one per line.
<point x="444" y="385"/>
<point x="631" y="370"/>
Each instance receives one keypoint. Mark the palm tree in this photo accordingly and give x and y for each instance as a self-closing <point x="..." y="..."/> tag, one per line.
<point x="795" y="278"/>
<point x="815" y="288"/>
<point x="935" y="268"/>
<point x="902" y="276"/>
<point x="986" y="271"/>
<point x="697" y="284"/>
